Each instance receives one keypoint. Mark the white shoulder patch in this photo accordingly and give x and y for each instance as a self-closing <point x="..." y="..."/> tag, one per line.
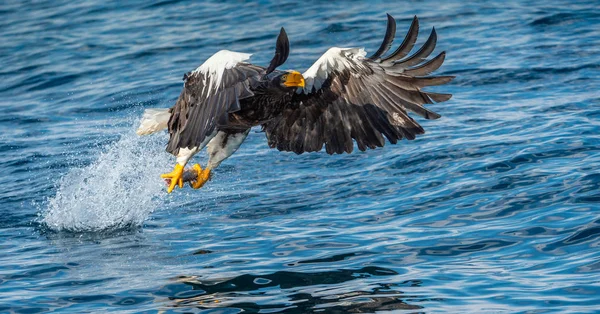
<point x="335" y="59"/>
<point x="214" y="67"/>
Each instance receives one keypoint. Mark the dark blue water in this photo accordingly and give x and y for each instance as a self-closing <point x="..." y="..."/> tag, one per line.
<point x="495" y="209"/>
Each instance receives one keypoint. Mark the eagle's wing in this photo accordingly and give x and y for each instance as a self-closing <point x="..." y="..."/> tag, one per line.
<point x="215" y="89"/>
<point x="210" y="92"/>
<point x="349" y="96"/>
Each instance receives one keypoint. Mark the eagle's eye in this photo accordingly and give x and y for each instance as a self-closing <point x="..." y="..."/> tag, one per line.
<point x="284" y="77"/>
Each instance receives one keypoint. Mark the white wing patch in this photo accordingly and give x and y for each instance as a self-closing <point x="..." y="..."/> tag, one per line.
<point x="335" y="59"/>
<point x="214" y="67"/>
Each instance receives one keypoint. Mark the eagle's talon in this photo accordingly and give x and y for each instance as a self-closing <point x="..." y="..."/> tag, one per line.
<point x="203" y="177"/>
<point x="174" y="178"/>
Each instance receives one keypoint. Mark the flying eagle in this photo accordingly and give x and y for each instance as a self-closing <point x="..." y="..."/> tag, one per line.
<point x="342" y="97"/>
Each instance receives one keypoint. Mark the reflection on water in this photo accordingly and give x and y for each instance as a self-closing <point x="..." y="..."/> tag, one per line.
<point x="340" y="291"/>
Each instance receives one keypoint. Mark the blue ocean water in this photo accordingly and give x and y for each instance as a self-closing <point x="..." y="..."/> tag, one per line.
<point x="495" y="209"/>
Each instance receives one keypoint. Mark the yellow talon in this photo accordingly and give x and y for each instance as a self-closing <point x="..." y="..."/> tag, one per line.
<point x="175" y="176"/>
<point x="203" y="177"/>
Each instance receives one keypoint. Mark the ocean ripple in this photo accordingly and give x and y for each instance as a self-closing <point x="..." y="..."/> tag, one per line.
<point x="495" y="209"/>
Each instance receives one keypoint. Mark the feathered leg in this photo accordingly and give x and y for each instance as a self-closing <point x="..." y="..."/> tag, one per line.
<point x="221" y="147"/>
<point x="175" y="177"/>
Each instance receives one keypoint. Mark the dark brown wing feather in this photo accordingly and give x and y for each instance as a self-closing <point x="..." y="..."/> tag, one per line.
<point x="202" y="106"/>
<point x="282" y="50"/>
<point x="364" y="99"/>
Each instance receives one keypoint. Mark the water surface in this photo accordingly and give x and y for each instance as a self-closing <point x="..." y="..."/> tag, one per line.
<point x="495" y="209"/>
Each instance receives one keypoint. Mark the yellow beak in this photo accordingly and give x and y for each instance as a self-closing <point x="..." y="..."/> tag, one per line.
<point x="294" y="79"/>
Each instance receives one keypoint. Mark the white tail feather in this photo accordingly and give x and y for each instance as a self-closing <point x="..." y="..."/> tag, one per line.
<point x="153" y="121"/>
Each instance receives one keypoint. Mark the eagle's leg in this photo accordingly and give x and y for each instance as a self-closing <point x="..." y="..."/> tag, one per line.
<point x="203" y="177"/>
<point x="176" y="176"/>
<point x="223" y="145"/>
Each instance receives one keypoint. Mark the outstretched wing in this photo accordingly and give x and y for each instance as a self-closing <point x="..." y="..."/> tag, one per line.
<point x="210" y="92"/>
<point x="349" y="96"/>
<point x="215" y="89"/>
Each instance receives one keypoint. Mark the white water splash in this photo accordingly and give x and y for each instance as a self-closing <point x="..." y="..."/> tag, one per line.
<point x="120" y="189"/>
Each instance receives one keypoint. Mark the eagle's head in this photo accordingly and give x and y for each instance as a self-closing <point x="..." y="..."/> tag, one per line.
<point x="291" y="80"/>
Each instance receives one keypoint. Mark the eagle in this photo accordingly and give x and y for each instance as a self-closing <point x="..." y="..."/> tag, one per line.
<point x="345" y="97"/>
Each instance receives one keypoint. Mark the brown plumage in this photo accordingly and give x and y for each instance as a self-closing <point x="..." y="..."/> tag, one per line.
<point x="365" y="99"/>
<point x="344" y="97"/>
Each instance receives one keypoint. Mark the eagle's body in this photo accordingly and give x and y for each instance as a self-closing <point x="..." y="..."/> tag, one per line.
<point x="344" y="97"/>
<point x="268" y="102"/>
